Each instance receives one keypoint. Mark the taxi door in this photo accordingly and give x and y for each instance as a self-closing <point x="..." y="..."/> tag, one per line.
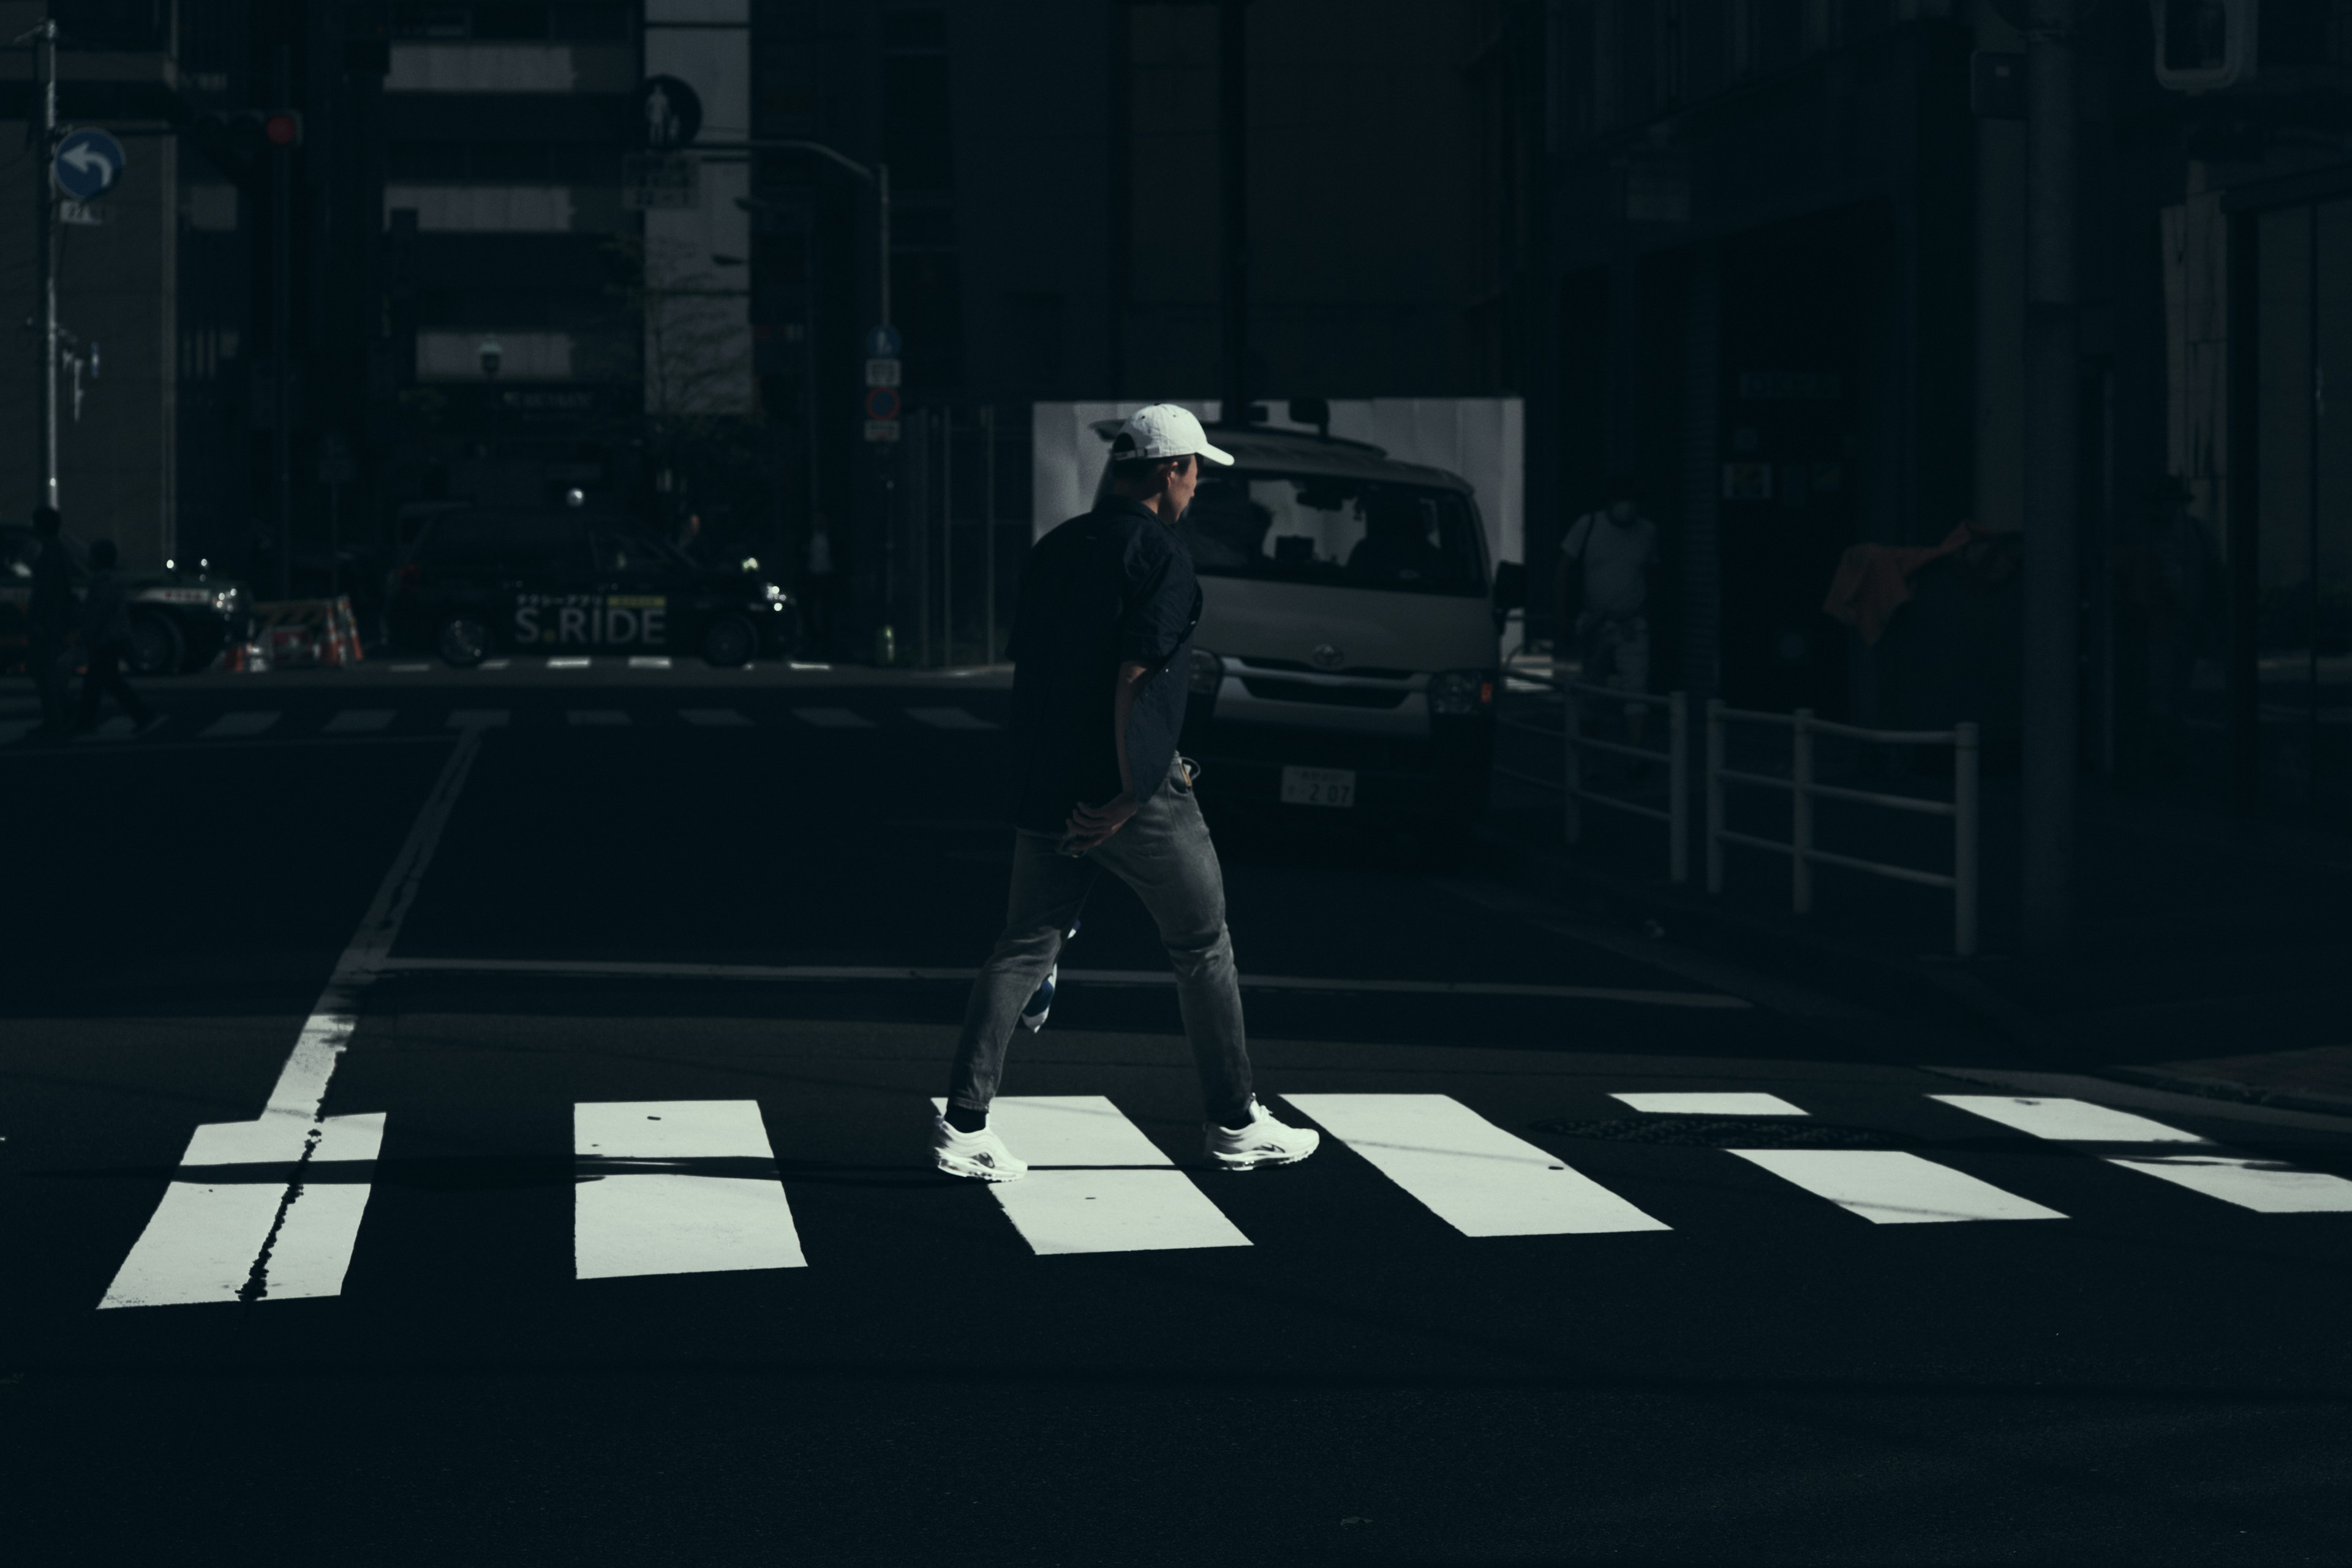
<point x="634" y="580"/>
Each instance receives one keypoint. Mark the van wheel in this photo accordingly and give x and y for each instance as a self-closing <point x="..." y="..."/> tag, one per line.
<point x="156" y="645"/>
<point x="729" y="644"/>
<point x="463" y="641"/>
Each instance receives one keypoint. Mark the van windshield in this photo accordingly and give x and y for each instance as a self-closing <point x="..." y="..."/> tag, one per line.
<point x="1344" y="532"/>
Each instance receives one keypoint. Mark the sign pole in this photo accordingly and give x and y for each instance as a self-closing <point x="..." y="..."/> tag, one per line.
<point x="281" y="285"/>
<point x="45" y="270"/>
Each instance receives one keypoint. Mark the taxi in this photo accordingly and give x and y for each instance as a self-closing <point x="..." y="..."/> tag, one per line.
<point x="479" y="580"/>
<point x="182" y="618"/>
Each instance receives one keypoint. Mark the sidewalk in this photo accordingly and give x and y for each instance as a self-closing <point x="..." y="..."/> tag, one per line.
<point x="2211" y="951"/>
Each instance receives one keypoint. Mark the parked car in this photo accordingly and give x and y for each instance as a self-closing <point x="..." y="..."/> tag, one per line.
<point x="181" y="617"/>
<point x="477" y="579"/>
<point x="1347" y="657"/>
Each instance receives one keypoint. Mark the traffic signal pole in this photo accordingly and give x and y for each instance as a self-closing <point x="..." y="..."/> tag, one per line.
<point x="45" y="268"/>
<point x="2052" y="656"/>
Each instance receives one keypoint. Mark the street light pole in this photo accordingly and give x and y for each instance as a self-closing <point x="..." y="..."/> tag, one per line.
<point x="2050" y="759"/>
<point x="45" y="272"/>
<point x="876" y="174"/>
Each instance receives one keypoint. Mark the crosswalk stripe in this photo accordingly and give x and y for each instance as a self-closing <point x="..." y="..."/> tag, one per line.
<point x="604" y="716"/>
<point x="947" y="718"/>
<point x="567" y="664"/>
<point x="1682" y="1103"/>
<point x="358" y="721"/>
<point x="119" y="728"/>
<point x="14" y="731"/>
<point x="1095" y="1184"/>
<point x="2067" y="1121"/>
<point x="205" y="1238"/>
<point x="230" y="725"/>
<point x="2265" y="1186"/>
<point x="495" y="663"/>
<point x="1888" y="1186"/>
<point x="1471" y="1174"/>
<point x="478" y="718"/>
<point x="832" y="718"/>
<point x="649" y="661"/>
<point x="647" y="1217"/>
<point x="712" y="718"/>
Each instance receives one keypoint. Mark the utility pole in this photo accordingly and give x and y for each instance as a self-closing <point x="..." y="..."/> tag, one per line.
<point x="45" y="268"/>
<point x="1232" y="147"/>
<point x="2052" y="678"/>
<point x="281" y="288"/>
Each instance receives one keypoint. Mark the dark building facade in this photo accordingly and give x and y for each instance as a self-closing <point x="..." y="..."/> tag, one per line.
<point x="1789" y="267"/>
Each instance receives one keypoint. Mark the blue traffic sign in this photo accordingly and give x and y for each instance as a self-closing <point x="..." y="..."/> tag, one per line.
<point x="87" y="165"/>
<point x="882" y="343"/>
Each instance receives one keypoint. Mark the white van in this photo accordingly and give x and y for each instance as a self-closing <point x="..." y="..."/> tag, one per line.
<point x="1347" y="655"/>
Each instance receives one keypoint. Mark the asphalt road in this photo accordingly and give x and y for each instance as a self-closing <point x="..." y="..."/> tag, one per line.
<point x="491" y="1129"/>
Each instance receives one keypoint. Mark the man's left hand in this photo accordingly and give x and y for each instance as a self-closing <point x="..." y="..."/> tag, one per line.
<point x="1089" y="824"/>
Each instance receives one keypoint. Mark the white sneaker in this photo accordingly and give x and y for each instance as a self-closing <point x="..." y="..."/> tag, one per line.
<point x="981" y="1155"/>
<point x="1265" y="1142"/>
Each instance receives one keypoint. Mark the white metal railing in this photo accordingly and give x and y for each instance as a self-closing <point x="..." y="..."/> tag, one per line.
<point x="1803" y="790"/>
<point x="1575" y="742"/>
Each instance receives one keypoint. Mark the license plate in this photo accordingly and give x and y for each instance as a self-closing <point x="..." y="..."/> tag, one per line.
<point x="1318" y="786"/>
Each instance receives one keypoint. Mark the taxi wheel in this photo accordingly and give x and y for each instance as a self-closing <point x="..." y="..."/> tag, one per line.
<point x="156" y="645"/>
<point x="463" y="641"/>
<point x="729" y="642"/>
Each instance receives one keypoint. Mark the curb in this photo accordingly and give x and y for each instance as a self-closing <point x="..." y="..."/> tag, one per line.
<point x="2230" y="1089"/>
<point x="1951" y="985"/>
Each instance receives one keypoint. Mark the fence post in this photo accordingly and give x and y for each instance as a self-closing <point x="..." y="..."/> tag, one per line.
<point x="1801" y="829"/>
<point x="1964" y="840"/>
<point x="1678" y="786"/>
<point x="947" y="535"/>
<point x="1714" y="795"/>
<point x="1571" y="761"/>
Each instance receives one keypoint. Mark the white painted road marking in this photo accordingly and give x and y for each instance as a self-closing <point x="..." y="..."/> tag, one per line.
<point x="2265" y="1186"/>
<point x="1471" y="1174"/>
<point x="2068" y="1120"/>
<point x="607" y="716"/>
<point x="359" y="721"/>
<point x="191" y="1247"/>
<point x="648" y="1218"/>
<point x="407" y="668"/>
<point x="947" y="718"/>
<point x="832" y="718"/>
<point x="1132" y="1199"/>
<point x="496" y="663"/>
<point x="1701" y="1104"/>
<point x="1888" y="1186"/>
<point x="567" y="664"/>
<point x="713" y="718"/>
<point x="230" y="725"/>
<point x="478" y="718"/>
<point x="12" y="732"/>
<point x="119" y="728"/>
<point x="648" y="661"/>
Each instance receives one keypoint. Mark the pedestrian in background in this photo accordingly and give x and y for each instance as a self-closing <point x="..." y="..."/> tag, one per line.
<point x="1101" y="644"/>
<point x="1603" y="592"/>
<point x="50" y="617"/>
<point x="689" y="537"/>
<point x="106" y="631"/>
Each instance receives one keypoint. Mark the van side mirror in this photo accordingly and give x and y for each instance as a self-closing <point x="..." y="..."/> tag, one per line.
<point x="1510" y="586"/>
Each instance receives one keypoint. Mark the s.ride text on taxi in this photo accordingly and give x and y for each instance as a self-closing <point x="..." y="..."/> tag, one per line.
<point x="605" y="618"/>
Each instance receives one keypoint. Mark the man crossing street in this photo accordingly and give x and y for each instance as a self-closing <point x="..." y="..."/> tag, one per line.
<point x="1100" y="645"/>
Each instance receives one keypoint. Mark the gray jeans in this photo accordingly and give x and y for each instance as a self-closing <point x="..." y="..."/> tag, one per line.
<point x="1163" y="852"/>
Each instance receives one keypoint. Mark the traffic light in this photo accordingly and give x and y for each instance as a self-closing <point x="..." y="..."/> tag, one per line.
<point x="2203" y="45"/>
<point x="240" y="142"/>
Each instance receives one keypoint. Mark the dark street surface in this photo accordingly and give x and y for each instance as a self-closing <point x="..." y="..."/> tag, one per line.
<point x="682" y="886"/>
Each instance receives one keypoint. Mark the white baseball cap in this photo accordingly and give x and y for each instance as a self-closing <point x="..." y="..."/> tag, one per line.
<point x="1164" y="431"/>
